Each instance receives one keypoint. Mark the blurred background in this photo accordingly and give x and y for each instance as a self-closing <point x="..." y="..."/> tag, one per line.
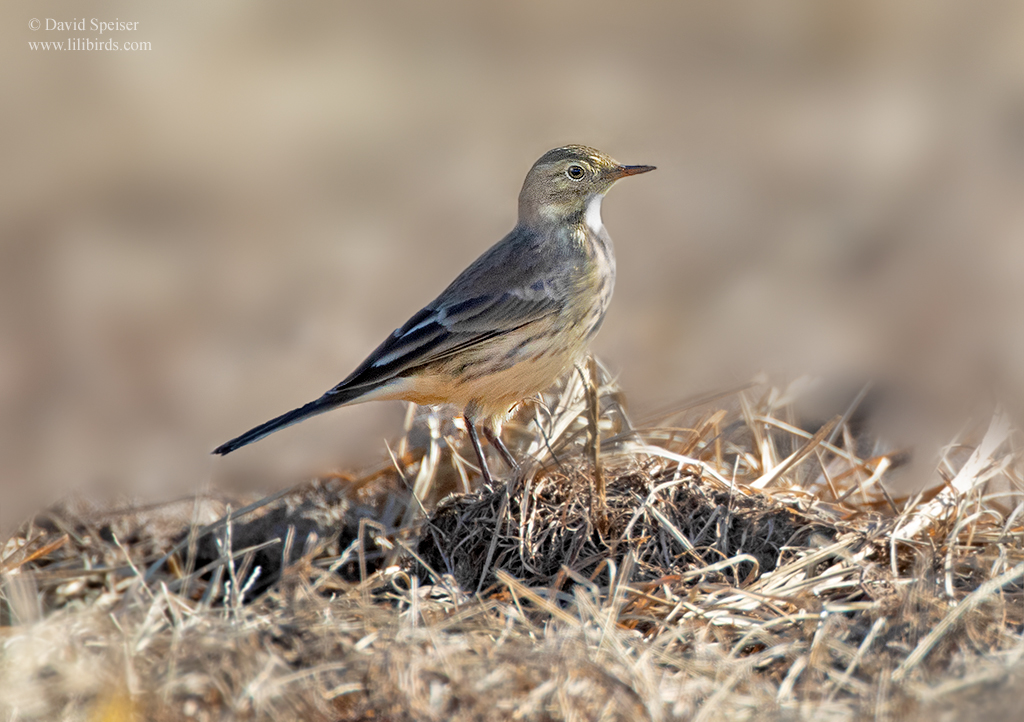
<point x="204" y="234"/>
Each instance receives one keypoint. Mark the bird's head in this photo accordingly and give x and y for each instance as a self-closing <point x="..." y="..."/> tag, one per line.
<point x="569" y="181"/>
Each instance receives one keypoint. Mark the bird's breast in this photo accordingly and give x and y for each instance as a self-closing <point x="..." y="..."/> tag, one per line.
<point x="596" y="281"/>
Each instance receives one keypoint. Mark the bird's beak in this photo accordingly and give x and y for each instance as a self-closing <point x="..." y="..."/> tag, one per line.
<point x="625" y="170"/>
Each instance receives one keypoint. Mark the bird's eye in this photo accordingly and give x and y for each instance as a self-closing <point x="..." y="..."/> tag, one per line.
<point x="575" y="172"/>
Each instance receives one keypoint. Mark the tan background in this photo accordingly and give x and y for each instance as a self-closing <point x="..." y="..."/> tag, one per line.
<point x="201" y="236"/>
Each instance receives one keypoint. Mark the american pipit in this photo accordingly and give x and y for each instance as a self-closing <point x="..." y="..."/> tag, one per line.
<point x="510" y="324"/>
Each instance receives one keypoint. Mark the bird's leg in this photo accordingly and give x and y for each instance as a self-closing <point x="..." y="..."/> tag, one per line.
<point x="497" y="443"/>
<point x="479" y="449"/>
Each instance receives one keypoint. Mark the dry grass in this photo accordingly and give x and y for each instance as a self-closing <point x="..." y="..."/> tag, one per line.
<point x="722" y="565"/>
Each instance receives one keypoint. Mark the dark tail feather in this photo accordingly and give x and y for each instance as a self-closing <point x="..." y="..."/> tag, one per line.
<point x="328" y="401"/>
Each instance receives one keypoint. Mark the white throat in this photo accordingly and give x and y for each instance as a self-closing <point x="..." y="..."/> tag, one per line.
<point x="593" y="215"/>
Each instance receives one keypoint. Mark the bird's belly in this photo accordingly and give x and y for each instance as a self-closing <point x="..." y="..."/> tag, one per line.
<point x="497" y="374"/>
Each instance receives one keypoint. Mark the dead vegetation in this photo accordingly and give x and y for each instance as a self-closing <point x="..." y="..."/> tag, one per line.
<point x="724" y="564"/>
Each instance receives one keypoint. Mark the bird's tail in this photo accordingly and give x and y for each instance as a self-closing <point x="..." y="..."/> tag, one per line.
<point x="331" y="400"/>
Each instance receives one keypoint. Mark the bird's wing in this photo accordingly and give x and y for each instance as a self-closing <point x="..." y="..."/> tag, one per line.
<point x="443" y="329"/>
<point x="517" y="281"/>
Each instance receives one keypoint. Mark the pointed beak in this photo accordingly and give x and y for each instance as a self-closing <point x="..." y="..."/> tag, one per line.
<point x="625" y="170"/>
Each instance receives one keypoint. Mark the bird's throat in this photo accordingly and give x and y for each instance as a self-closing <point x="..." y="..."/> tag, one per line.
<point x="592" y="216"/>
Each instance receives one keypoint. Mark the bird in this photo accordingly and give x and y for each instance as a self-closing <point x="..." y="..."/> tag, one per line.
<point x="511" y="323"/>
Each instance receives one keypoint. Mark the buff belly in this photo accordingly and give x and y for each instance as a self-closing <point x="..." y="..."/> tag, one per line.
<point x="490" y="379"/>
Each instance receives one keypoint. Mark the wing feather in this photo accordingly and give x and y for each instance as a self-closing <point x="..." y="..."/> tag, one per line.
<point x="516" y="282"/>
<point x="437" y="333"/>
